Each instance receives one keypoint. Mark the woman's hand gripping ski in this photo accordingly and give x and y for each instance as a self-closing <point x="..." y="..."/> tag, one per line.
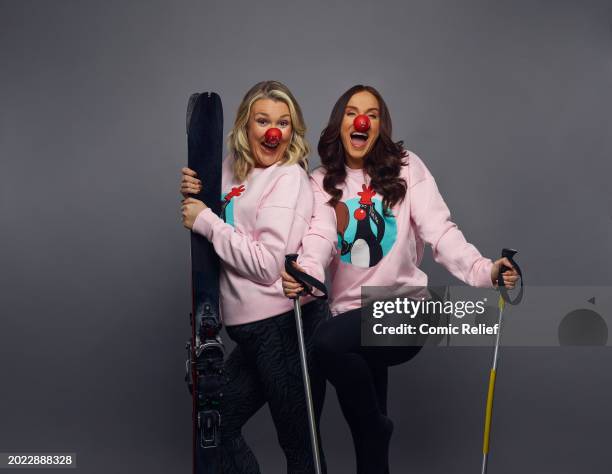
<point x="190" y="207"/>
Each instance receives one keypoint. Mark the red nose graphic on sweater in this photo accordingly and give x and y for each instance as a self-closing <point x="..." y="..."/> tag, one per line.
<point x="360" y="214"/>
<point x="273" y="136"/>
<point x="366" y="195"/>
<point x="361" y="123"/>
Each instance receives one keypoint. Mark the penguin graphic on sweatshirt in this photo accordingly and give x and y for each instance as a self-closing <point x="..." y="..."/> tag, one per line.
<point x="227" y="204"/>
<point x="365" y="236"/>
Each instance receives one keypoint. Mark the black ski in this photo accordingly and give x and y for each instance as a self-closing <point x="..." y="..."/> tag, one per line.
<point x="205" y="349"/>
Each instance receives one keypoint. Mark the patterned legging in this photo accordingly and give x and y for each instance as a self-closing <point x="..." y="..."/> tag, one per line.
<point x="265" y="368"/>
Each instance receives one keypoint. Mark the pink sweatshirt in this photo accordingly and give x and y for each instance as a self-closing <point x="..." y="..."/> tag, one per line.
<point x="263" y="219"/>
<point x="371" y="249"/>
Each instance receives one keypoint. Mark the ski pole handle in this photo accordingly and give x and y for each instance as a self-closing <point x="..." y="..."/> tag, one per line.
<point x="509" y="254"/>
<point x="307" y="281"/>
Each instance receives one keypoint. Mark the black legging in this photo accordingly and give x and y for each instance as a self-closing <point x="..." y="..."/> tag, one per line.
<point x="359" y="374"/>
<point x="265" y="367"/>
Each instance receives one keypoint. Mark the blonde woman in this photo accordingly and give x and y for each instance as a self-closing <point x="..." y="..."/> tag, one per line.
<point x="267" y="206"/>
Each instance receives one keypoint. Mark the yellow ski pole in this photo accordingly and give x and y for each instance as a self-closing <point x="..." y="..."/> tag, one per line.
<point x="503" y="299"/>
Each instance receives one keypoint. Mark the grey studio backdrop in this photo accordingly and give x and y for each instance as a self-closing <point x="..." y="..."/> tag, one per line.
<point x="507" y="102"/>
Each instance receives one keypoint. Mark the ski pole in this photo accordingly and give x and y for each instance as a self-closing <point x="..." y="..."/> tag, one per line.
<point x="307" y="282"/>
<point x="503" y="299"/>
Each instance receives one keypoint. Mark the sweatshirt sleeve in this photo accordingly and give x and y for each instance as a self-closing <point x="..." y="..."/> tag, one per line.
<point x="260" y="257"/>
<point x="432" y="220"/>
<point x="319" y="243"/>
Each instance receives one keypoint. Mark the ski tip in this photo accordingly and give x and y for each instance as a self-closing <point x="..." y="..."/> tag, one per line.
<point x="193" y="98"/>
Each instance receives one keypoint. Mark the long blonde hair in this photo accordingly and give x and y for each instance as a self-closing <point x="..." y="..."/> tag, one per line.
<point x="238" y="142"/>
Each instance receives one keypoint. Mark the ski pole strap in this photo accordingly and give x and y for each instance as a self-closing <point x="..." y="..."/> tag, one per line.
<point x="509" y="254"/>
<point x="304" y="279"/>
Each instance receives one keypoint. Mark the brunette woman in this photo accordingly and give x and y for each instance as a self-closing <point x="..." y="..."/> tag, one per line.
<point x="383" y="204"/>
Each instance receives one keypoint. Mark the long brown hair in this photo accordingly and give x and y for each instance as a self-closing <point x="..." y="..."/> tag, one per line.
<point x="383" y="163"/>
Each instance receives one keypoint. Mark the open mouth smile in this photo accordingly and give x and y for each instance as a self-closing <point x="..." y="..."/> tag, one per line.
<point x="359" y="139"/>
<point x="270" y="146"/>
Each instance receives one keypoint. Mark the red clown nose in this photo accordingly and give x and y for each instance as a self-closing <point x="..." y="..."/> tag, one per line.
<point x="361" y="123"/>
<point x="273" y="136"/>
<point x="359" y="214"/>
